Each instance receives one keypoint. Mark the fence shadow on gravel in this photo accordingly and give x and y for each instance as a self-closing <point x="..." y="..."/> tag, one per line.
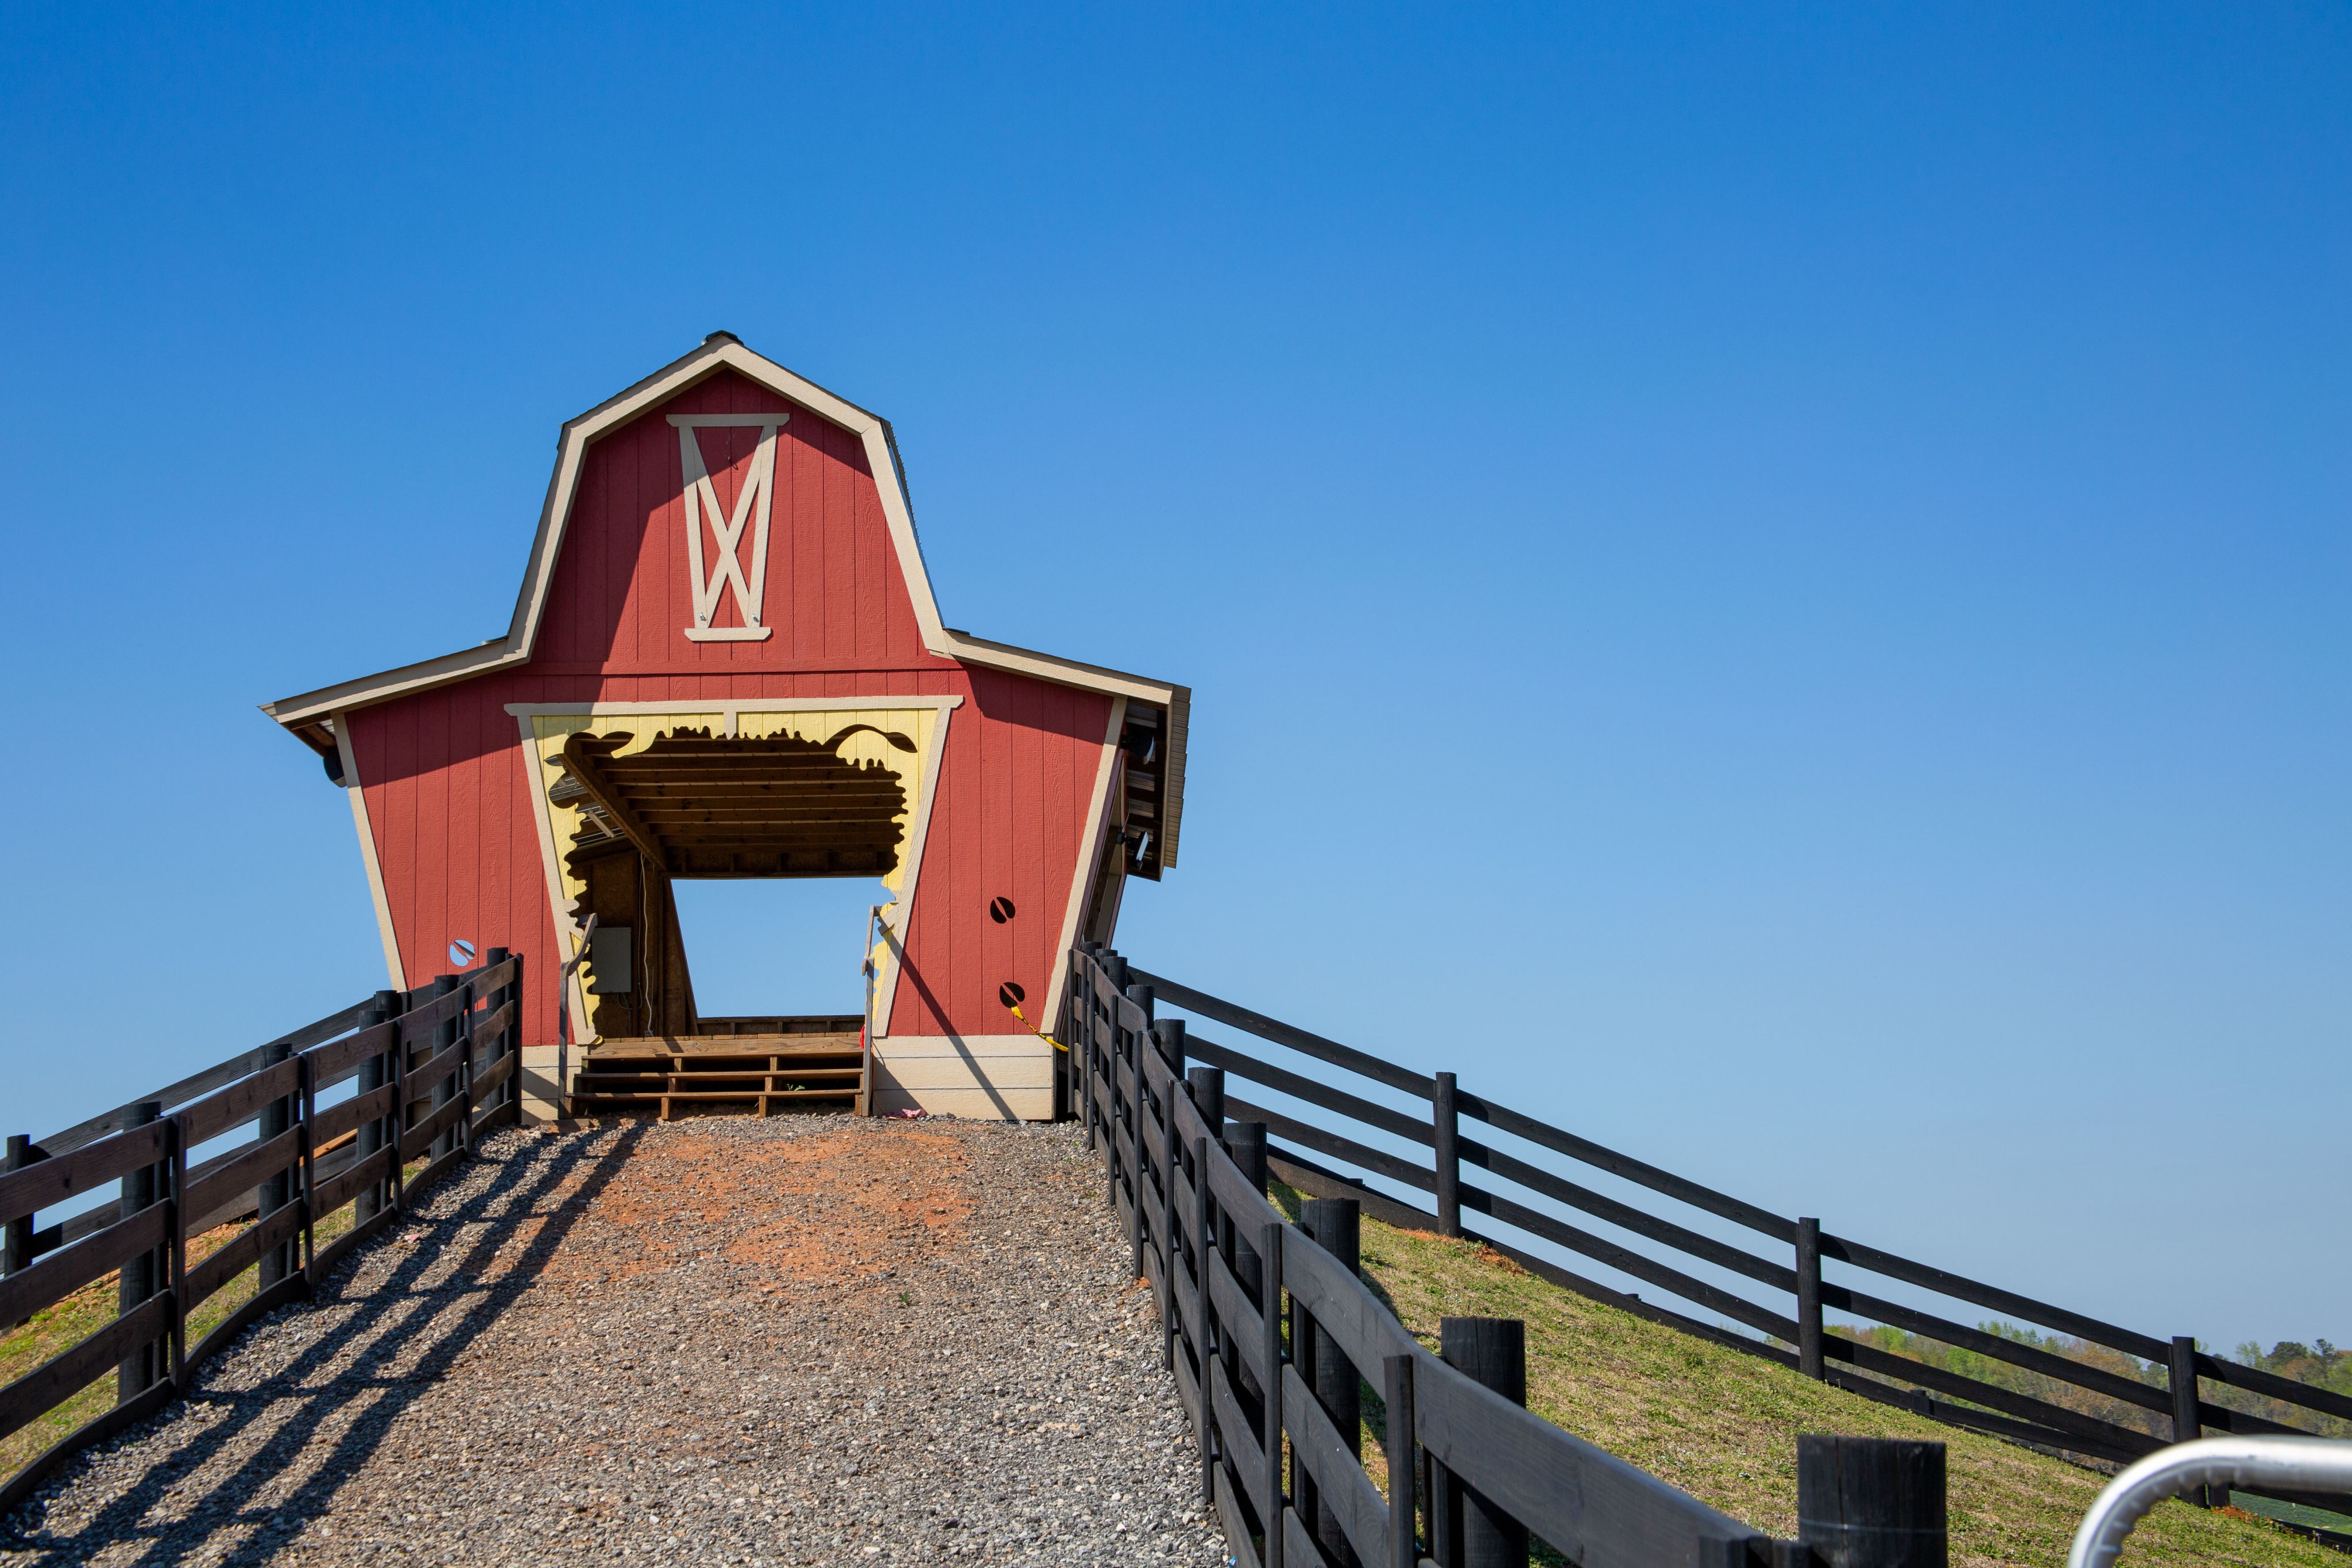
<point x="287" y="1157"/>
<point x="454" y="1248"/>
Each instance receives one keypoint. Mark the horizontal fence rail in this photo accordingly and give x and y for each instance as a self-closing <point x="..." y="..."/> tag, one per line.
<point x="1752" y="1279"/>
<point x="435" y="1068"/>
<point x="1266" y="1333"/>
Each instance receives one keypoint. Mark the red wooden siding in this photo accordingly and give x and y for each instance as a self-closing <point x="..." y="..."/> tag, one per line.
<point x="623" y="594"/>
<point x="1014" y="786"/>
<point x="448" y="798"/>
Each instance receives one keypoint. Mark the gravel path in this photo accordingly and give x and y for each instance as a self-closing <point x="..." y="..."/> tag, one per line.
<point x="802" y="1340"/>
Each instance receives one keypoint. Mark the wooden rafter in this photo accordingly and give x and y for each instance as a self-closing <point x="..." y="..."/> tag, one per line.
<point x="583" y="756"/>
<point x="697" y="805"/>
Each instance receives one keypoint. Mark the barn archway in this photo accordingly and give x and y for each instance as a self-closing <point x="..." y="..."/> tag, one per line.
<point x="637" y="803"/>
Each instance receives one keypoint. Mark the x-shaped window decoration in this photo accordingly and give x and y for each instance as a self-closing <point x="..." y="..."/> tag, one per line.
<point x="751" y="507"/>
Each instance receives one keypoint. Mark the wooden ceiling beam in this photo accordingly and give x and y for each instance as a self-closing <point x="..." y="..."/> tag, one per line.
<point x="667" y="818"/>
<point x="684" y="771"/>
<point x="666" y="788"/>
<point x="584" y="756"/>
<point x="773" y="843"/>
<point x="674" y="789"/>
<point x="784" y="745"/>
<point x="739" y="810"/>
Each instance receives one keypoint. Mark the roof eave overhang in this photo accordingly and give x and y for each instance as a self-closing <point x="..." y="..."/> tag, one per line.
<point x="718" y="353"/>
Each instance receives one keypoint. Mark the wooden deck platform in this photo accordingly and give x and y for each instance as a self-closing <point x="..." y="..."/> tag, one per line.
<point x="759" y="1072"/>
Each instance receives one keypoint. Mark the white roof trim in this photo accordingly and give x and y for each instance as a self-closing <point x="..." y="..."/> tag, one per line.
<point x="719" y="352"/>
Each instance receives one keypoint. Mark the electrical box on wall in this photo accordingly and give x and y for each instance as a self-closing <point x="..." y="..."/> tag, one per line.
<point x="612" y="961"/>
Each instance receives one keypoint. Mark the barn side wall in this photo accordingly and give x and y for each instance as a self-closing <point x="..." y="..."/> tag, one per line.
<point x="448" y="796"/>
<point x="457" y="843"/>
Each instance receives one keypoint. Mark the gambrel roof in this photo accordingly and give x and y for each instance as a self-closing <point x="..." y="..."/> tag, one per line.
<point x="306" y="714"/>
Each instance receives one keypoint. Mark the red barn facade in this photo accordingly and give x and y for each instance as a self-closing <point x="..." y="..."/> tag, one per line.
<point x="725" y="660"/>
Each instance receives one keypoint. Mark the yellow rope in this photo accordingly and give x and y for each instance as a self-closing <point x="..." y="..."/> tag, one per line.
<point x="1040" y="1033"/>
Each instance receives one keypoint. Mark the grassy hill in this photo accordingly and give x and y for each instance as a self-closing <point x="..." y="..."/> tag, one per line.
<point x="1723" y="1425"/>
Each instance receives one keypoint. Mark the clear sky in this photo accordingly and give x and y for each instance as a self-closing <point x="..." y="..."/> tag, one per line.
<point x="1769" y="585"/>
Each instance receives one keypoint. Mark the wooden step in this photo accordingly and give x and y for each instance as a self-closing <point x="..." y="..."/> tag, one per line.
<point x="832" y="1023"/>
<point x="845" y="1093"/>
<point x="748" y="1045"/>
<point x="663" y="1072"/>
<point x="763" y="1101"/>
<point x="676" y="1071"/>
<point x="746" y="1083"/>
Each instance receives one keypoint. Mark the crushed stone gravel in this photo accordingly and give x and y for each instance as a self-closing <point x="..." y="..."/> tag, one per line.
<point x="803" y="1340"/>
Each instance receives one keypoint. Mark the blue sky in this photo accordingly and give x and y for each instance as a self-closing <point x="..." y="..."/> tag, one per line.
<point x="1769" y="586"/>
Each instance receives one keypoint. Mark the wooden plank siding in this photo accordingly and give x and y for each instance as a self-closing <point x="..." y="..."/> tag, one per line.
<point x="622" y="592"/>
<point x="449" y="799"/>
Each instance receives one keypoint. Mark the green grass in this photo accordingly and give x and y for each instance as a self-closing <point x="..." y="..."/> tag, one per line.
<point x="51" y="1332"/>
<point x="1723" y="1425"/>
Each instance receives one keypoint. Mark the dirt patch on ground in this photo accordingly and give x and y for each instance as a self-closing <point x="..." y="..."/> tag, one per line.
<point x="799" y="1341"/>
<point x="840" y="1208"/>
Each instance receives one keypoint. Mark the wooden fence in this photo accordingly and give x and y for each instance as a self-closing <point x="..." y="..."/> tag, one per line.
<point x="1471" y="1472"/>
<point x="435" y="1069"/>
<point x="1324" y="1151"/>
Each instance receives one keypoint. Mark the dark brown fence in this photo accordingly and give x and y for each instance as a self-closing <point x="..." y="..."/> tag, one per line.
<point x="2158" y="1390"/>
<point x="1471" y="1472"/>
<point x="434" y="1068"/>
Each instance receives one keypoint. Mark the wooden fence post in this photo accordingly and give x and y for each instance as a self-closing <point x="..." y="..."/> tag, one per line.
<point x="445" y="1035"/>
<point x="1168" y="1034"/>
<point x="495" y="1044"/>
<point x="1809" y="1298"/>
<point x="1492" y="1352"/>
<point x="1207" y="1334"/>
<point x="1336" y="1224"/>
<point x="309" y="1186"/>
<point x="506" y="1037"/>
<point x="515" y="994"/>
<point x="1208" y="1085"/>
<point x="1449" y="1159"/>
<point x="1168" y="1037"/>
<point x="2187" y="1428"/>
<point x="1269" y="1306"/>
<point x="1131" y="1052"/>
<point x="1404" y="1468"/>
<point x="1064" y="1028"/>
<point x="468" y="1043"/>
<point x="374" y="1073"/>
<point x="396" y="1130"/>
<point x="17" y="1243"/>
<point x="137" y="1282"/>
<point x="1082" y="999"/>
<point x="1871" y="1503"/>
<point x="276" y="1119"/>
<point x="1245" y="1142"/>
<point x="175" y="1241"/>
<point x="1107" y="1052"/>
